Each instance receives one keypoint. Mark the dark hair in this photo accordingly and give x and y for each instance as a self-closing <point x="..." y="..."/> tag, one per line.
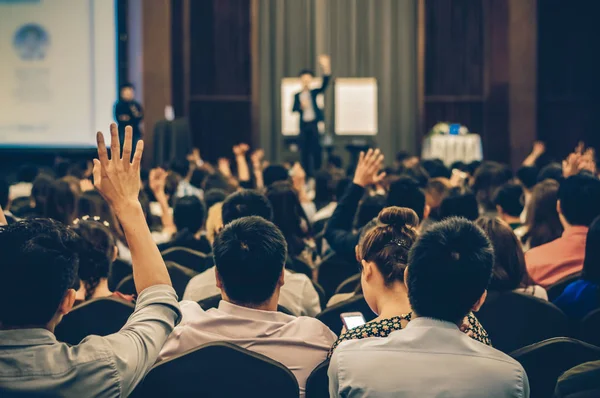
<point x="289" y="216"/>
<point x="189" y="214"/>
<point x="335" y="161"/>
<point x="198" y="177"/>
<point x="40" y="190"/>
<point x="274" y="173"/>
<point x="181" y="167"/>
<point x="61" y="167"/>
<point x="543" y="223"/>
<point x="369" y="209"/>
<point x="126" y="85"/>
<point x="449" y="268"/>
<point x="27" y="173"/>
<point x="388" y="243"/>
<point x="4" y="194"/>
<point x="96" y="253"/>
<point x="249" y="256"/>
<point x="419" y="174"/>
<point x="326" y="184"/>
<point x="306" y="71"/>
<point x="61" y="203"/>
<point x="436" y="168"/>
<point x="459" y="202"/>
<point x="401" y="156"/>
<point x="509" y="271"/>
<point x="552" y="171"/>
<point x="213" y="197"/>
<point x="41" y="255"/>
<point x="92" y="203"/>
<point x="487" y="179"/>
<point x="472" y="167"/>
<point x="246" y="203"/>
<point x="460" y="165"/>
<point x="435" y="192"/>
<point x="579" y="198"/>
<point x="527" y="175"/>
<point x="217" y="181"/>
<point x="510" y="197"/>
<point x="406" y="192"/>
<point x="591" y="263"/>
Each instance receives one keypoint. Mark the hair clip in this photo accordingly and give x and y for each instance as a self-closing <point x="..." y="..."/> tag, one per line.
<point x="402" y="243"/>
<point x="90" y="218"/>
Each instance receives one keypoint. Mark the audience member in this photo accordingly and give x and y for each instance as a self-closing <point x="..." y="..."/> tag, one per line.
<point x="327" y="192"/>
<point x="542" y="224"/>
<point x="369" y="208"/>
<point x="436" y="168"/>
<point x="5" y="201"/>
<point x="213" y="197"/>
<point x="274" y="173"/>
<point x="407" y="192"/>
<point x="44" y="257"/>
<point x="383" y="254"/>
<point x="583" y="296"/>
<point x="459" y="202"/>
<point x="61" y="202"/>
<point x="509" y="273"/>
<point x="448" y="271"/>
<point x="39" y="195"/>
<point x="578" y="205"/>
<point x="552" y="171"/>
<point x="214" y="222"/>
<point x="188" y="215"/>
<point x="25" y="177"/>
<point x="297" y="295"/>
<point x="510" y="202"/>
<point x="486" y="180"/>
<point x="250" y="254"/>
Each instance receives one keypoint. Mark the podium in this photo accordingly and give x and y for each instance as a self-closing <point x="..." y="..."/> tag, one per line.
<point x="172" y="140"/>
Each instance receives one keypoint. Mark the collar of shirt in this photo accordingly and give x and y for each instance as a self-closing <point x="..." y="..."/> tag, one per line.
<point x="575" y="231"/>
<point x="251" y="313"/>
<point x="424" y="322"/>
<point x="26" y="337"/>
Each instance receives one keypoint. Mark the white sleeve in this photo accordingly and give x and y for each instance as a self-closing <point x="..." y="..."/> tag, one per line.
<point x="310" y="299"/>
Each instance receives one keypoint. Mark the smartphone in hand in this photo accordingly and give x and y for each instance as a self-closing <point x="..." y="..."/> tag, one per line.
<point x="352" y="319"/>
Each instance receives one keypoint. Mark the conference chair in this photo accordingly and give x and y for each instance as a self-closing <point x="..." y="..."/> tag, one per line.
<point x="349" y="285"/>
<point x="317" y="384"/>
<point x="192" y="259"/>
<point x="101" y="317"/>
<point x="559" y="287"/>
<point x="582" y="381"/>
<point x="213" y="302"/>
<point x="331" y="316"/>
<point x="180" y="276"/>
<point x="333" y="270"/>
<point x="119" y="270"/>
<point x="546" y="361"/>
<point x="217" y="370"/>
<point x="321" y="293"/>
<point x="590" y="328"/>
<point x="515" y="320"/>
<point x="126" y="286"/>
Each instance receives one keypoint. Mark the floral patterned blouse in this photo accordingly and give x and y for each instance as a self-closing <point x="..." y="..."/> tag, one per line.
<point x="386" y="326"/>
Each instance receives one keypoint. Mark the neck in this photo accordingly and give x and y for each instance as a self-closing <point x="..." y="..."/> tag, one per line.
<point x="393" y="302"/>
<point x="269" y="305"/>
<point x="102" y="289"/>
<point x="415" y="316"/>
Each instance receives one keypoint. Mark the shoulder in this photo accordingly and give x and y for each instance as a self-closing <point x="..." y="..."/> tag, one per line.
<point x="314" y="326"/>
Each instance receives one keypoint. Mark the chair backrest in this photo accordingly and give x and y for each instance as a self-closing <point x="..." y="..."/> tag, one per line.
<point x="321" y="293"/>
<point x="331" y="315"/>
<point x="317" y="384"/>
<point x="101" y="317"/>
<point x="194" y="260"/>
<point x="213" y="302"/>
<point x="590" y="328"/>
<point x="349" y="285"/>
<point x="219" y="369"/>
<point x="545" y="361"/>
<point x="126" y="286"/>
<point x="515" y="320"/>
<point x="559" y="287"/>
<point x="333" y="270"/>
<point x="180" y="276"/>
<point x="119" y="270"/>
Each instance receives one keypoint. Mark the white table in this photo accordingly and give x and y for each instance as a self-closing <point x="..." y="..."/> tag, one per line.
<point x="452" y="148"/>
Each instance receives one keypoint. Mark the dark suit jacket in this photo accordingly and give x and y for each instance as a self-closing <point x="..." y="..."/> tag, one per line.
<point x="313" y="94"/>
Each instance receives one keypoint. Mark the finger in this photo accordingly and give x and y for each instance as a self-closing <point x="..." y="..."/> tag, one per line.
<point x="102" y="152"/>
<point x="97" y="173"/>
<point x="115" y="145"/>
<point x="137" y="157"/>
<point x="361" y="157"/>
<point x="380" y="177"/>
<point x="127" y="145"/>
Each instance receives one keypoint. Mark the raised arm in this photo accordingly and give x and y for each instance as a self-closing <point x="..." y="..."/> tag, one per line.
<point x="157" y="181"/>
<point x="118" y="180"/>
<point x="538" y="150"/>
<point x="242" y="164"/>
<point x="325" y="63"/>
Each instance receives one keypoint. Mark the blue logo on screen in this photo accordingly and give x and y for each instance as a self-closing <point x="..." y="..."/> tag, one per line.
<point x="31" y="42"/>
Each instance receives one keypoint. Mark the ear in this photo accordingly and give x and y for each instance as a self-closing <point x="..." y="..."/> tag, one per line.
<point x="218" y="279"/>
<point x="367" y="269"/>
<point x="500" y="211"/>
<point x="67" y="303"/>
<point x="281" y="280"/>
<point x="479" y="302"/>
<point x="426" y="212"/>
<point x="356" y="253"/>
<point x="406" y="277"/>
<point x="558" y="207"/>
<point x="115" y="253"/>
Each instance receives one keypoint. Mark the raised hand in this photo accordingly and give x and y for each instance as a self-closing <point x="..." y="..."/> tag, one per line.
<point x="538" y="148"/>
<point x="157" y="180"/>
<point x="224" y="167"/>
<point x="368" y="168"/>
<point x="118" y="178"/>
<point x="325" y="63"/>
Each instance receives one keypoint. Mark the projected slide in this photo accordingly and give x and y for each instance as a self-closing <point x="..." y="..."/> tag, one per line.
<point x="57" y="72"/>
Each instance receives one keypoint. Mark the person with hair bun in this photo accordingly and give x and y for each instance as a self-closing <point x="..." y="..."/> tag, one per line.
<point x="97" y="252"/>
<point x="383" y="254"/>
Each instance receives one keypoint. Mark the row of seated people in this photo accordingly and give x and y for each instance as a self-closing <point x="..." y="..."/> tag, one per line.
<point x="254" y="250"/>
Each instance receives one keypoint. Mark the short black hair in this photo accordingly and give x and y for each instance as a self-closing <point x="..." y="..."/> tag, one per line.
<point x="250" y="254"/>
<point x="306" y="71"/>
<point x="552" y="171"/>
<point x="487" y="179"/>
<point x="41" y="257"/>
<point x="579" y="198"/>
<point x="246" y="203"/>
<point x="449" y="268"/>
<point x="459" y="202"/>
<point x="527" y="175"/>
<point x="406" y="192"/>
<point x="335" y="161"/>
<point x="436" y="168"/>
<point x="181" y="167"/>
<point x="275" y="173"/>
<point x="369" y="209"/>
<point x="510" y="198"/>
<point x="198" y="177"/>
<point x="214" y="196"/>
<point x="27" y="173"/>
<point x="126" y="85"/>
<point x="189" y="213"/>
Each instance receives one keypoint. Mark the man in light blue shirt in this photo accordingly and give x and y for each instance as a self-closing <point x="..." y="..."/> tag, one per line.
<point x="448" y="271"/>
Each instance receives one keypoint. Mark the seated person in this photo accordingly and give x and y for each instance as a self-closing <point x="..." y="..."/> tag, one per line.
<point x="383" y="254"/>
<point x="435" y="192"/>
<point x="98" y="252"/>
<point x="583" y="295"/>
<point x="25" y="177"/>
<point x="448" y="271"/>
<point x="459" y="202"/>
<point x="509" y="273"/>
<point x="297" y="295"/>
<point x="43" y="257"/>
<point x="542" y="223"/>
<point x="189" y="215"/>
<point x="510" y="202"/>
<point x="250" y="254"/>
<point x="578" y="205"/>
